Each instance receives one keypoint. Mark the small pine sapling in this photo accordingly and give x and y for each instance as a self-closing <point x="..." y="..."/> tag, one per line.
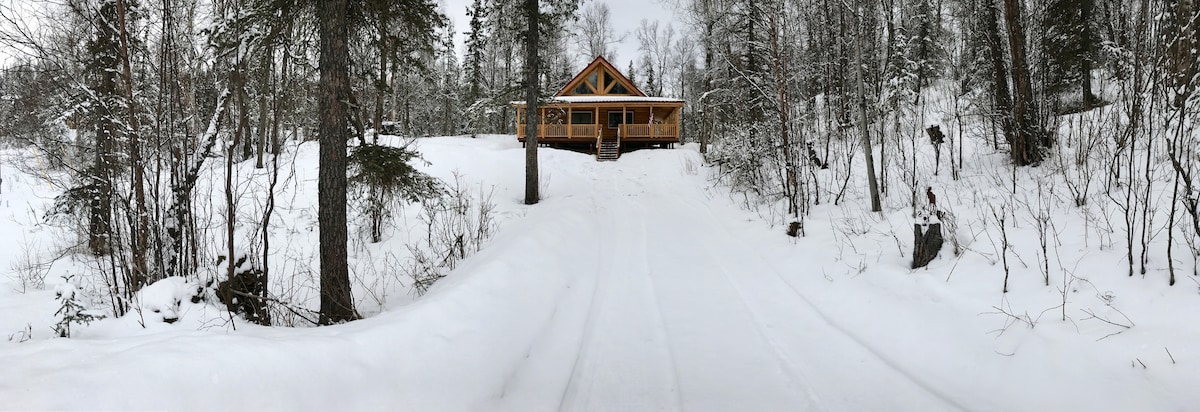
<point x="70" y="311"/>
<point x="383" y="176"/>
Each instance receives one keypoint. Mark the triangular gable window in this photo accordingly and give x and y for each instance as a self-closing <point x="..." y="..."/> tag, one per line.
<point x="600" y="78"/>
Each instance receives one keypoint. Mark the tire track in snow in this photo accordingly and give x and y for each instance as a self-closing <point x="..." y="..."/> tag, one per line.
<point x="623" y="362"/>
<point x="824" y="318"/>
<point x="788" y="365"/>
<point x="542" y="364"/>
<point x="723" y="362"/>
<point x="644" y="245"/>
<point x="589" y="323"/>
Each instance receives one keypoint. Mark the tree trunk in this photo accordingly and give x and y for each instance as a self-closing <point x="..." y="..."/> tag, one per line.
<point x="872" y="182"/>
<point x="791" y="188"/>
<point x="382" y="85"/>
<point x="707" y="121"/>
<point x="1028" y="138"/>
<point x="1085" y="51"/>
<point x="100" y="207"/>
<point x="140" y="230"/>
<point x="532" y="15"/>
<point x="334" y="67"/>
<point x="263" y="132"/>
<point x="1003" y="98"/>
<point x="927" y="242"/>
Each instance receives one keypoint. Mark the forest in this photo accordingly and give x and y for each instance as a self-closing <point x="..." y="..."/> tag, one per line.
<point x="129" y="105"/>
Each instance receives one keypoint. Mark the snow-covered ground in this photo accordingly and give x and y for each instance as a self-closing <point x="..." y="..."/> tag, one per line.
<point x="638" y="285"/>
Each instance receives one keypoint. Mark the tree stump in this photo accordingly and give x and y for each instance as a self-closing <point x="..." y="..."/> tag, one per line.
<point x="927" y="242"/>
<point x="245" y="292"/>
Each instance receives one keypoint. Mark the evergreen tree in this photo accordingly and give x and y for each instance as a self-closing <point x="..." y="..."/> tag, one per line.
<point x="333" y="112"/>
<point x="476" y="41"/>
<point x="652" y="86"/>
<point x="1067" y="47"/>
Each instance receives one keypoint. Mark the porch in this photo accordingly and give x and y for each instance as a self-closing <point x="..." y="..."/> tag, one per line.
<point x="649" y="123"/>
<point x="589" y="132"/>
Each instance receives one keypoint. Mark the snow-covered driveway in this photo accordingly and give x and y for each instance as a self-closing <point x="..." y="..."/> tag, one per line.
<point x="673" y="312"/>
<point x="633" y="286"/>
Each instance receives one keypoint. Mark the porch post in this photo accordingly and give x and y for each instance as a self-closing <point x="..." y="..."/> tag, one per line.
<point x="570" y="125"/>
<point x="622" y="130"/>
<point x="650" y="122"/>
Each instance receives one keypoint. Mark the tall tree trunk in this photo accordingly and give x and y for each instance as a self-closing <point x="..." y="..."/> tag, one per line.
<point x="707" y="121"/>
<point x="140" y="230"/>
<point x="106" y="66"/>
<point x="1003" y="99"/>
<point x="334" y="67"/>
<point x="532" y="15"/>
<point x="791" y="187"/>
<point x="381" y="86"/>
<point x="872" y="182"/>
<point x="1028" y="140"/>
<point x="263" y="132"/>
<point x="1085" y="51"/>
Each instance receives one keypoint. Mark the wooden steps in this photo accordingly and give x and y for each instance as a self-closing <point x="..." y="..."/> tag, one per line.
<point x="610" y="149"/>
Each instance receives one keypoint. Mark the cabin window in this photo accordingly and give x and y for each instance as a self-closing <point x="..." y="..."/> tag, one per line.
<point x="582" y="118"/>
<point x="614" y="118"/>
<point x="604" y="80"/>
<point x="619" y="89"/>
<point x="583" y="89"/>
<point x="592" y="79"/>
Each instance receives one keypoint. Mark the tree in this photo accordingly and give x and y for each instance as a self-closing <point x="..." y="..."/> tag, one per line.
<point x="595" y="32"/>
<point x="476" y="41"/>
<point x="333" y="132"/>
<point x="532" y="17"/>
<point x="1002" y="99"/>
<point x="1029" y="138"/>
<point x="868" y="149"/>
<point x="104" y="66"/>
<point x="1067" y="47"/>
<point x="655" y="46"/>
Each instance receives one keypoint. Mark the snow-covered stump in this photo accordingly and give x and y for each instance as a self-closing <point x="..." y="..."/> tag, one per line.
<point x="927" y="239"/>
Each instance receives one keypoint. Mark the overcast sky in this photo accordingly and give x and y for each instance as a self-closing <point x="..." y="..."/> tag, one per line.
<point x="626" y="16"/>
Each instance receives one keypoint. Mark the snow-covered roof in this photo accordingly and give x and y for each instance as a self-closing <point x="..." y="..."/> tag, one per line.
<point x="609" y="99"/>
<point x="615" y="99"/>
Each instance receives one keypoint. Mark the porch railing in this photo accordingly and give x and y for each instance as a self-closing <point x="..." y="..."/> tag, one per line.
<point x="650" y="130"/>
<point x="552" y="130"/>
<point x="589" y="131"/>
<point x="585" y="130"/>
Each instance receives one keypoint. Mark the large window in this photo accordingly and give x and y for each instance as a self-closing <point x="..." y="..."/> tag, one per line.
<point x="614" y="118"/>
<point x="582" y="89"/>
<point x="582" y="118"/>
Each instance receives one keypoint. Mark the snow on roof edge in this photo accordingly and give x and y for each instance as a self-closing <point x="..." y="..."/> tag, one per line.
<point x="609" y="99"/>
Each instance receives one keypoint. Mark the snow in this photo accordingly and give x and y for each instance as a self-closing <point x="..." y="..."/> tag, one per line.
<point x="616" y="99"/>
<point x="635" y="285"/>
<point x="609" y="99"/>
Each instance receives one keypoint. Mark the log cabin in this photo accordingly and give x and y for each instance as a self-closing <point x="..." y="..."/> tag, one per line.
<point x="602" y="111"/>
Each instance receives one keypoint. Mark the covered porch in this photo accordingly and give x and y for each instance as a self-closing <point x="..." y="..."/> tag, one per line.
<point x="587" y="123"/>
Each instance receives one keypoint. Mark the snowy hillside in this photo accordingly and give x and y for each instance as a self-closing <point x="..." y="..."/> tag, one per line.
<point x="634" y="285"/>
